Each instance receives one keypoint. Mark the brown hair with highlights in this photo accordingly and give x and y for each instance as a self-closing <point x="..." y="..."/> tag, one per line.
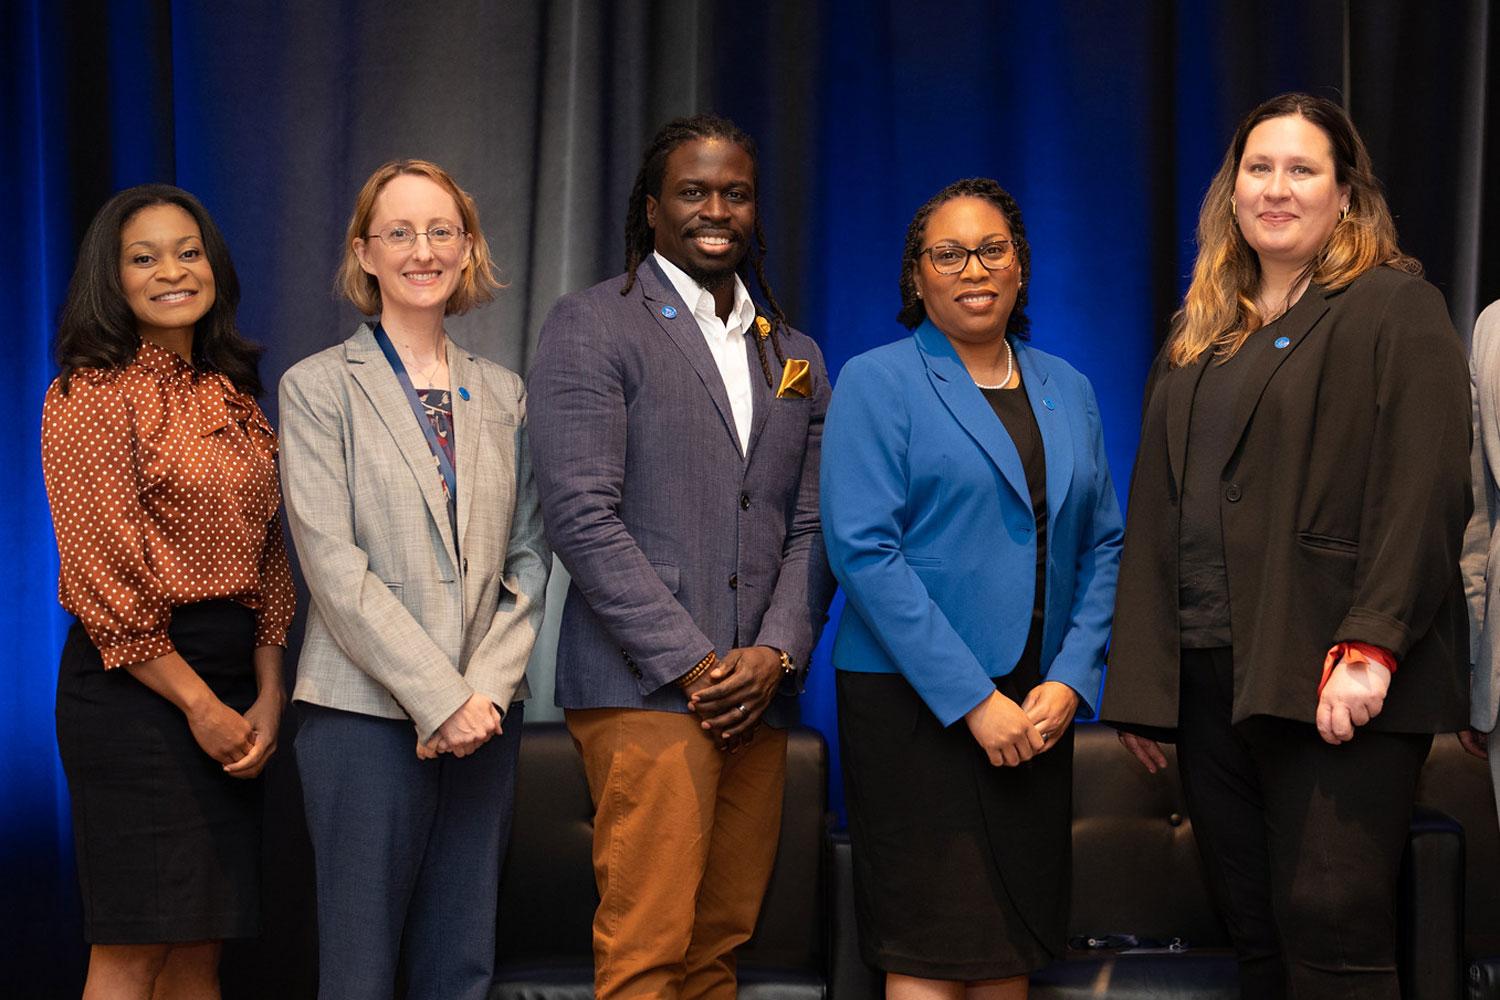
<point x="1219" y="312"/>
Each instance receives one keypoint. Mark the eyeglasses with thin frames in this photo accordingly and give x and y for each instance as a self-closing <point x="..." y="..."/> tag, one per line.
<point x="399" y="236"/>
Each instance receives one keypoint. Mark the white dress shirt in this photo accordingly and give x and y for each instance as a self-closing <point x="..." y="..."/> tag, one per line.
<point x="726" y="341"/>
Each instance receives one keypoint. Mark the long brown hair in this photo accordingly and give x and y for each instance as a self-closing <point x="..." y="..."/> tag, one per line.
<point x="1219" y="312"/>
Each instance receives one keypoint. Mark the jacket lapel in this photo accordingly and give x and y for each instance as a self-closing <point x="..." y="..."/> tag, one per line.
<point x="682" y="329"/>
<point x="1294" y="326"/>
<point x="1053" y="422"/>
<point x="375" y="377"/>
<point x="1181" y="386"/>
<point x="963" y="399"/>
<point x="463" y="374"/>
<point x="763" y="396"/>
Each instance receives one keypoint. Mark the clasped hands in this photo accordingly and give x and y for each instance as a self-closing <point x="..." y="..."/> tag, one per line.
<point x="242" y="744"/>
<point x="731" y="697"/>
<point x="1012" y="734"/>
<point x="470" y="727"/>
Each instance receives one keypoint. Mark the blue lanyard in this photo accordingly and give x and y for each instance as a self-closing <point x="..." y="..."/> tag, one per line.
<point x="444" y="466"/>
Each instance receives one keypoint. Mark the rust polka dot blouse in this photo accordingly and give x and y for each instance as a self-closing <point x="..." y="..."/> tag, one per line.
<point x="163" y="489"/>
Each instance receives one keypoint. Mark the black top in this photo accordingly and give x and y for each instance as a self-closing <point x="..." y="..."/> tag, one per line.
<point x="1013" y="407"/>
<point x="1202" y="581"/>
<point x="1342" y="519"/>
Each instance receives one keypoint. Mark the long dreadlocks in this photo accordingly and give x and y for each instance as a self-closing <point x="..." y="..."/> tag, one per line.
<point x="640" y="239"/>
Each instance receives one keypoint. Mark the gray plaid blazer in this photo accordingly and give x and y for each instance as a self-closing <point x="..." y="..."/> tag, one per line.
<point x="406" y="621"/>
<point x="676" y="542"/>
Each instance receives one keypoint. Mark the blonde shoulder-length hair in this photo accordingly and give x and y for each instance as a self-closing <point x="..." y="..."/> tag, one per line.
<point x="478" y="282"/>
<point x="1219" y="312"/>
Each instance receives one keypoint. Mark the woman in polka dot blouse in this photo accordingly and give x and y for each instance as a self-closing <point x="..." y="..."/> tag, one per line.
<point x="161" y="474"/>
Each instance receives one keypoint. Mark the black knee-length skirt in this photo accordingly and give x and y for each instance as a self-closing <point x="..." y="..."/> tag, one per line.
<point x="961" y="869"/>
<point x="168" y="845"/>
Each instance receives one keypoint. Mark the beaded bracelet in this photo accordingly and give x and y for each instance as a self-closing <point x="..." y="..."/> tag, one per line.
<point x="698" y="670"/>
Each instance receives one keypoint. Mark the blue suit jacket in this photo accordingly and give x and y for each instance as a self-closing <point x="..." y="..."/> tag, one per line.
<point x="677" y="543"/>
<point x="929" y="526"/>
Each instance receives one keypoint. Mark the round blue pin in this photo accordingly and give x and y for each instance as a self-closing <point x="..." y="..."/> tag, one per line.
<point x="1047" y="402"/>
<point x="669" y="311"/>
<point x="1282" y="342"/>
<point x="463" y="394"/>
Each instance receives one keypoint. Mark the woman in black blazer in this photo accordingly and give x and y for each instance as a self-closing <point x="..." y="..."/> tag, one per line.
<point x="1290" y="610"/>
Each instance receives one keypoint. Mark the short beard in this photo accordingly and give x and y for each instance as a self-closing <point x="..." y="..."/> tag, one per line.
<point x="713" y="281"/>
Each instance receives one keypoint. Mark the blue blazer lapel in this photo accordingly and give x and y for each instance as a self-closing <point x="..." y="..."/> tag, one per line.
<point x="375" y="377"/>
<point x="682" y="329"/>
<point x="1052" y="420"/>
<point x="968" y="406"/>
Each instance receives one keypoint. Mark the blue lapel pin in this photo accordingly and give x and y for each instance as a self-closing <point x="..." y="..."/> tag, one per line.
<point x="1047" y="402"/>
<point x="669" y="312"/>
<point x="1282" y="342"/>
<point x="463" y="394"/>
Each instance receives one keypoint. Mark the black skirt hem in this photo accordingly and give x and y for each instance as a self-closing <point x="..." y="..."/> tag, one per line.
<point x="965" y="972"/>
<point x="180" y="930"/>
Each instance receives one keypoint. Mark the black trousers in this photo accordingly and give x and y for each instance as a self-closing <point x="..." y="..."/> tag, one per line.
<point x="1301" y="841"/>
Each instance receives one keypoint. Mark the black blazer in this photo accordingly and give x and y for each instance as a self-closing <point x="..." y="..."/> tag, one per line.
<point x="1343" y="503"/>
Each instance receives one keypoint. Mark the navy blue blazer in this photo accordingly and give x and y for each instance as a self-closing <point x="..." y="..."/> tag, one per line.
<point x="929" y="527"/>
<point x="677" y="541"/>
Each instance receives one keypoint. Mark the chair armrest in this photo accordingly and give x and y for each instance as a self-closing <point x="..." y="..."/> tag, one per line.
<point x="1431" y="908"/>
<point x="849" y="978"/>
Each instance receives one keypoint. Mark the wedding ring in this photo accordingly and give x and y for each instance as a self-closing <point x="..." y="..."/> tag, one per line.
<point x="742" y="710"/>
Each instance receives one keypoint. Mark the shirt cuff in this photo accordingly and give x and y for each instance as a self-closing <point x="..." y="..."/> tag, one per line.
<point x="269" y="634"/>
<point x="1355" y="652"/>
<point x="136" y="651"/>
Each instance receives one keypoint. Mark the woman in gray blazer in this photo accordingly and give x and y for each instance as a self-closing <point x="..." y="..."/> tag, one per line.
<point x="410" y="496"/>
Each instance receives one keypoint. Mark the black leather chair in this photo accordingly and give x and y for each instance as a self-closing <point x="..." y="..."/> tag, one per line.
<point x="1135" y="873"/>
<point x="1459" y="785"/>
<point x="547" y="892"/>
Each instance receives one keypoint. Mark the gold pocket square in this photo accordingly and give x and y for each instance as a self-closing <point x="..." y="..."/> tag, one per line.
<point x="796" y="379"/>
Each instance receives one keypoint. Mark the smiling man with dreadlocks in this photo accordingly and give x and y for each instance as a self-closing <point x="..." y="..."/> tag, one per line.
<point x="676" y="432"/>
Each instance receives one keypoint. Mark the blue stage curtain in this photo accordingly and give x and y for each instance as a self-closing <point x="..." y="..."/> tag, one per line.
<point x="1099" y="118"/>
<point x="58" y="70"/>
<point x="1105" y="120"/>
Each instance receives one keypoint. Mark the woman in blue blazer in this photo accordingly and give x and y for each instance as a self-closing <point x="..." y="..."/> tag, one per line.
<point x="970" y="517"/>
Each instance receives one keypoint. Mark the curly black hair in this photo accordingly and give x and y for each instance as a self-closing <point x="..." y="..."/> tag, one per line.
<point x="640" y="238"/>
<point x="913" y="312"/>
<point x="97" y="328"/>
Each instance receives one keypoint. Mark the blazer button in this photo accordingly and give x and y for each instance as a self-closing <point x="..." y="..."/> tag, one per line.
<point x="1232" y="492"/>
<point x="466" y="566"/>
<point x="734" y="581"/>
<point x="744" y="501"/>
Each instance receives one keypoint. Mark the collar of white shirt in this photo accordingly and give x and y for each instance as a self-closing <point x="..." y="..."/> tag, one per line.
<point x="700" y="301"/>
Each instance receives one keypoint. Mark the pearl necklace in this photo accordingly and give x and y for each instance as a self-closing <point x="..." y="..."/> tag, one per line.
<point x="1010" y="369"/>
